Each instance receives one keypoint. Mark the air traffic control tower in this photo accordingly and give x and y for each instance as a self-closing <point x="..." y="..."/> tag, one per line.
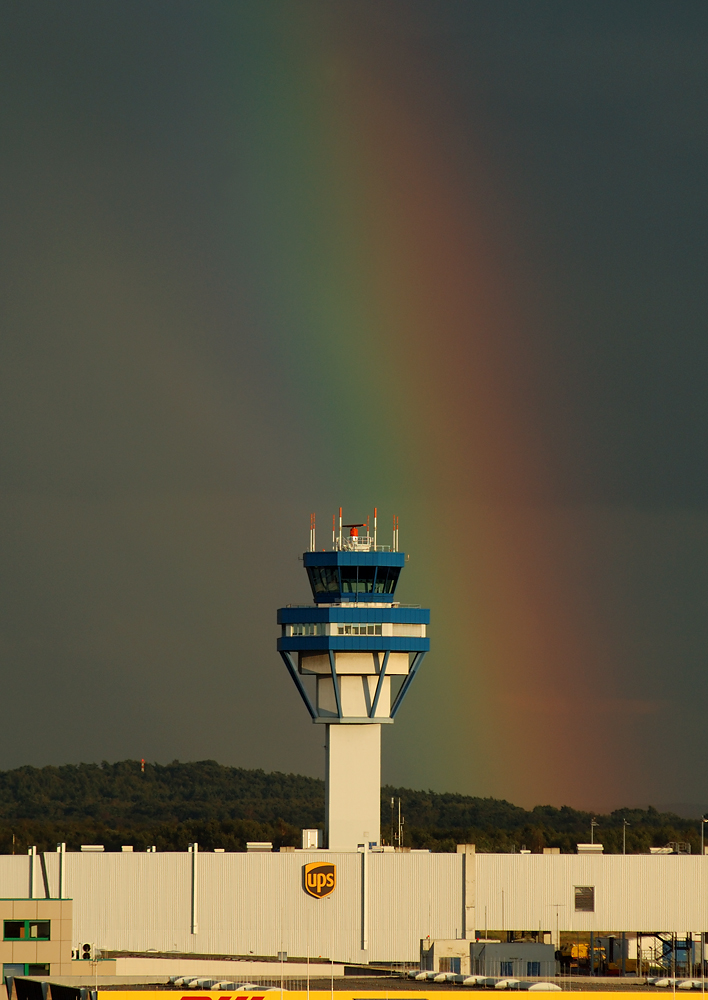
<point x="353" y="656"/>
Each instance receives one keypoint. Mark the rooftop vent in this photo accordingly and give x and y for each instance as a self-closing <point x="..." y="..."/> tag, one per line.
<point x="590" y="848"/>
<point x="258" y="846"/>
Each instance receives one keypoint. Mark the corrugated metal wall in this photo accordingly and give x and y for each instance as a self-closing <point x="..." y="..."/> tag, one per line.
<point x="123" y="901"/>
<point x="412" y="896"/>
<point x="245" y="904"/>
<point x="14" y="876"/>
<point x="255" y="903"/>
<point x="636" y="892"/>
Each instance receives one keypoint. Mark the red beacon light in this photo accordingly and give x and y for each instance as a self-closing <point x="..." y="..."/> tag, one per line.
<point x="353" y="533"/>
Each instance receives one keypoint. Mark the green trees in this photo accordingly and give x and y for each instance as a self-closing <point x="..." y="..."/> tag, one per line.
<point x="175" y="804"/>
<point x="165" y="805"/>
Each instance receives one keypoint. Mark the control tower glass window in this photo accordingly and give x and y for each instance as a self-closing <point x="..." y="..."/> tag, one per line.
<point x="357" y="579"/>
<point x="386" y="579"/>
<point x="365" y="581"/>
<point x="323" y="579"/>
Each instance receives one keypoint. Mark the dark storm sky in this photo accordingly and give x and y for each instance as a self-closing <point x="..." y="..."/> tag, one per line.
<point x="151" y="493"/>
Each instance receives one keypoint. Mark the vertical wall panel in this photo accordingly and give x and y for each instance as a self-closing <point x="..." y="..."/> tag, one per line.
<point x="255" y="903"/>
<point x="246" y="904"/>
<point x="635" y="892"/>
<point x="131" y="901"/>
<point x="14" y="876"/>
<point x="412" y="896"/>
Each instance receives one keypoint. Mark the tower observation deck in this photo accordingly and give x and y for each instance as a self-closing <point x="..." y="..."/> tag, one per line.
<point x="353" y="656"/>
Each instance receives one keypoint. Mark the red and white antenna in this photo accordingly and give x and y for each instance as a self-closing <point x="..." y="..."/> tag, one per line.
<point x="340" y="527"/>
<point x="395" y="533"/>
<point x="374" y="529"/>
<point x="312" y="532"/>
<point x="334" y="533"/>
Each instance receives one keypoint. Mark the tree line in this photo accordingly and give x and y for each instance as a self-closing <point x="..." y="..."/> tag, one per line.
<point x="172" y="805"/>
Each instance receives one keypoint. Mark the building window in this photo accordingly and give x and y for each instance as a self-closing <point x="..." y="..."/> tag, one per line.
<point x="358" y="630"/>
<point x="349" y="579"/>
<point x="533" y="968"/>
<point x="307" y="628"/>
<point x="386" y="579"/>
<point x="450" y="965"/>
<point x="506" y="968"/>
<point x="323" y="579"/>
<point x="26" y="930"/>
<point x="584" y="898"/>
<point x="24" y="969"/>
<point x="12" y="969"/>
<point x="365" y="579"/>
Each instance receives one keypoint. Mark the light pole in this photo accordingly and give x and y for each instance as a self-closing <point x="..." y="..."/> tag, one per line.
<point x="625" y="824"/>
<point x="703" y="936"/>
<point x="558" y="940"/>
<point x="593" y="824"/>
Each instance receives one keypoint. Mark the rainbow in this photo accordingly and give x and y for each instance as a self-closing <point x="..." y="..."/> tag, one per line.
<point x="399" y="352"/>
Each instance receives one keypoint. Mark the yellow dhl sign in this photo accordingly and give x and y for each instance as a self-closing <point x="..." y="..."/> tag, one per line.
<point x="319" y="878"/>
<point x="271" y="993"/>
<point x="268" y="993"/>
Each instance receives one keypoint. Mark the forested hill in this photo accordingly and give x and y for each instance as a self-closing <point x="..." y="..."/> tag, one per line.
<point x="170" y="793"/>
<point x="174" y="804"/>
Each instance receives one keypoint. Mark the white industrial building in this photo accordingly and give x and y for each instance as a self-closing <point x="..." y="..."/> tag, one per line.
<point x="384" y="904"/>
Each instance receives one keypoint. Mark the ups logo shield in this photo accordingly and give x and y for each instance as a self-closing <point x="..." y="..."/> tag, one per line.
<point x="319" y="879"/>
